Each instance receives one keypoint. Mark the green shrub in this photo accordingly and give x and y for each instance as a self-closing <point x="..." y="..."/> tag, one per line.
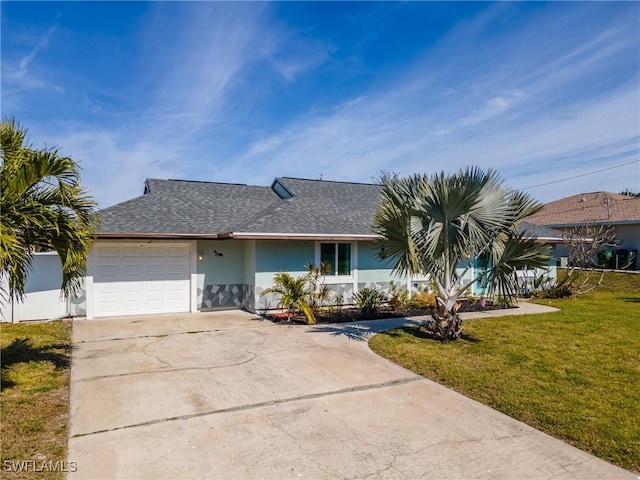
<point x="423" y="299"/>
<point x="567" y="290"/>
<point x="398" y="297"/>
<point x="368" y="300"/>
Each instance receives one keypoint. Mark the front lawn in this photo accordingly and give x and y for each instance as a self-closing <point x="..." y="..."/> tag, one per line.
<point x="574" y="374"/>
<point x="35" y="399"/>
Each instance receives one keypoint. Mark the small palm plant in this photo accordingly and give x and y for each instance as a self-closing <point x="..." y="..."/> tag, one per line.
<point x="368" y="300"/>
<point x="318" y="292"/>
<point x="307" y="293"/>
<point x="292" y="292"/>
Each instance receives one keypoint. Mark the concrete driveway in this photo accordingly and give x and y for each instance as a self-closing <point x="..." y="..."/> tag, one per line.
<point x="223" y="395"/>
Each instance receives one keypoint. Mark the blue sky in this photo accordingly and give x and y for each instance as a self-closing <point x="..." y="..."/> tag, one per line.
<point x="245" y="92"/>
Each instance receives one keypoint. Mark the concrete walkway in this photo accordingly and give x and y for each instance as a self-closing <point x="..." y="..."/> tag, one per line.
<point x="223" y="395"/>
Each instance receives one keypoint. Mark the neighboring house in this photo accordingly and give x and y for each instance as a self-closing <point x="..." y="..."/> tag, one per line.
<point x="599" y="208"/>
<point x="186" y="246"/>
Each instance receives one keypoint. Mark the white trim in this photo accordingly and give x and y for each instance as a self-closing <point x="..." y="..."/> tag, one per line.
<point x="335" y="279"/>
<point x="305" y="236"/>
<point x="88" y="286"/>
<point x="545" y="239"/>
<point x="193" y="277"/>
<point x="354" y="266"/>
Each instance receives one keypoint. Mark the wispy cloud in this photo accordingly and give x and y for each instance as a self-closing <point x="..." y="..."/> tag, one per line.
<point x="231" y="92"/>
<point x="497" y="121"/>
<point x="26" y="61"/>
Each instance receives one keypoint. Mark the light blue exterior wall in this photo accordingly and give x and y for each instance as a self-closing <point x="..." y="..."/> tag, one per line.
<point x="249" y="277"/>
<point x="246" y="268"/>
<point x="273" y="256"/>
<point x="374" y="272"/>
<point x="221" y="273"/>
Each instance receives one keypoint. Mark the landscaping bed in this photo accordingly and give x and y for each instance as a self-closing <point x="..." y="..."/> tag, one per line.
<point x="353" y="314"/>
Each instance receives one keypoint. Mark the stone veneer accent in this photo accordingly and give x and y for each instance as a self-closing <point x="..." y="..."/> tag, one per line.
<point x="344" y="289"/>
<point x="217" y="296"/>
<point x="266" y="302"/>
<point x="249" y="297"/>
<point x="383" y="287"/>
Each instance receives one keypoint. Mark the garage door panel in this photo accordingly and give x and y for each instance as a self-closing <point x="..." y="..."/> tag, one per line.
<point x="155" y="287"/>
<point x="107" y="271"/>
<point x="157" y="270"/>
<point x="108" y="252"/>
<point x="153" y="251"/>
<point x="142" y="279"/>
<point x="133" y="252"/>
<point x="132" y="271"/>
<point x="177" y="251"/>
<point x="177" y="270"/>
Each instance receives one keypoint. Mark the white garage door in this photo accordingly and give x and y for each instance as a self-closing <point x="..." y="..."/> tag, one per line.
<point x="136" y="279"/>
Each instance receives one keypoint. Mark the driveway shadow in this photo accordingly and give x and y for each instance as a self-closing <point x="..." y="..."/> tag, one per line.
<point x="363" y="331"/>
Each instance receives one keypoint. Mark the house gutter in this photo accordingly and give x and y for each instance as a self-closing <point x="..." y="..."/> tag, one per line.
<point x="300" y="236"/>
<point x="594" y="222"/>
<point x="546" y="239"/>
<point x="265" y="236"/>
<point x="156" y="236"/>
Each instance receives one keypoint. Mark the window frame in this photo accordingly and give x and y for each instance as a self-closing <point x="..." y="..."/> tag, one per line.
<point x="336" y="278"/>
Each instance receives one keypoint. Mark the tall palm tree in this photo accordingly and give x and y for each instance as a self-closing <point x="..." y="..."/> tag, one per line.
<point x="434" y="225"/>
<point x="42" y="207"/>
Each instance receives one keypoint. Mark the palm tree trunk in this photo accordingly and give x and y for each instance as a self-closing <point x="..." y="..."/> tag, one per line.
<point x="446" y="325"/>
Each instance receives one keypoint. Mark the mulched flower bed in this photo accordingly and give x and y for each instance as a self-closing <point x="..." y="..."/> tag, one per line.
<point x="353" y="314"/>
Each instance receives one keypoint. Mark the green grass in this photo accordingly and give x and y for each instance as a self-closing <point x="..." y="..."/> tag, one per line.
<point x="35" y="395"/>
<point x="574" y="374"/>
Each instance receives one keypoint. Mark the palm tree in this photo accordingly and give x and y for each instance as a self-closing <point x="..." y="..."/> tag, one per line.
<point x="293" y="294"/>
<point x="42" y="207"/>
<point x="434" y="225"/>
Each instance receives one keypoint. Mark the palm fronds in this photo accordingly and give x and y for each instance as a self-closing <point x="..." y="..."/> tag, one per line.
<point x="43" y="207"/>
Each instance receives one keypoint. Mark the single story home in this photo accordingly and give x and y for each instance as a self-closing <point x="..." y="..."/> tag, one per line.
<point x="595" y="208"/>
<point x="185" y="246"/>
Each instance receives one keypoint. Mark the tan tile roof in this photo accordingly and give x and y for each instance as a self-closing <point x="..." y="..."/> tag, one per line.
<point x="599" y="207"/>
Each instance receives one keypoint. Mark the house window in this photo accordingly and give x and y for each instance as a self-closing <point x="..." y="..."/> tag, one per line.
<point x="336" y="254"/>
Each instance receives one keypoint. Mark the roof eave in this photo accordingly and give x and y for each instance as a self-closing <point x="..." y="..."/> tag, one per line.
<point x="158" y="236"/>
<point x="597" y="223"/>
<point x="301" y="236"/>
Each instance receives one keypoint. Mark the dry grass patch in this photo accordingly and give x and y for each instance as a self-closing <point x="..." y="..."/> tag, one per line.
<point x="35" y="397"/>
<point x="574" y="374"/>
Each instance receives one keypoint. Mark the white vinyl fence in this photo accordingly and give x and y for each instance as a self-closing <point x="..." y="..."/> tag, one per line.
<point x="42" y="300"/>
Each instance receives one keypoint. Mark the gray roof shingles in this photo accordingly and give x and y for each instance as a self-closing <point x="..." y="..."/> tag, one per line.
<point x="319" y="207"/>
<point x="177" y="207"/>
<point x="185" y="208"/>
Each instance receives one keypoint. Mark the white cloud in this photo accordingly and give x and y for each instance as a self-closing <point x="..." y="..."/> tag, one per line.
<point x="518" y="102"/>
<point x="26" y="61"/>
<point x="112" y="170"/>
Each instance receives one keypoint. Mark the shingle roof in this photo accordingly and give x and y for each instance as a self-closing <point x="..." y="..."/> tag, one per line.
<point x="199" y="209"/>
<point x="598" y="207"/>
<point x="319" y="207"/>
<point x="538" y="231"/>
<point x="178" y="207"/>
